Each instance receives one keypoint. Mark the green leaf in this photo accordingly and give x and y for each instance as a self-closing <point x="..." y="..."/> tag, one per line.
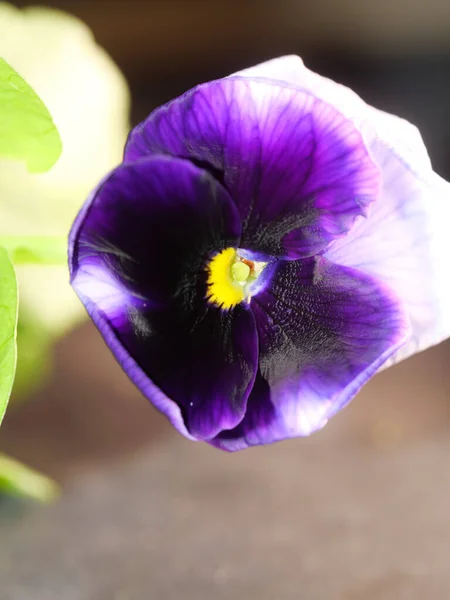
<point x="18" y="480"/>
<point x="35" y="249"/>
<point x="27" y="131"/>
<point x="8" y="329"/>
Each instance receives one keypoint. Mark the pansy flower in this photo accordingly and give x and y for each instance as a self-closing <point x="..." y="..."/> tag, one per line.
<point x="267" y="245"/>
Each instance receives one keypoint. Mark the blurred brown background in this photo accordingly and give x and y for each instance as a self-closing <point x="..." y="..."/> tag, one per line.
<point x="396" y="53"/>
<point x="359" y="511"/>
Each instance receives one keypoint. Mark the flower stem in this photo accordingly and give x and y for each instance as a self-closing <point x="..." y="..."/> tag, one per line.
<point x="20" y="480"/>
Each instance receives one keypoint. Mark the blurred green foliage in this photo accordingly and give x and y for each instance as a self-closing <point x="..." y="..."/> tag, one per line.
<point x="79" y="88"/>
<point x="27" y="131"/>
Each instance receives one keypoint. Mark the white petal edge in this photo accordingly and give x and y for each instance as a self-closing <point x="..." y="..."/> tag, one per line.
<point x="412" y="213"/>
<point x="396" y="133"/>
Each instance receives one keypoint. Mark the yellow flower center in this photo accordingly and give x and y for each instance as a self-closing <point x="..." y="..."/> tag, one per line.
<point x="229" y="278"/>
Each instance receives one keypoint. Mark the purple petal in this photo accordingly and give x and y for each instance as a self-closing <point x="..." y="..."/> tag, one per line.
<point x="139" y="251"/>
<point x="324" y="330"/>
<point x="399" y="135"/>
<point x="405" y="241"/>
<point x="297" y="170"/>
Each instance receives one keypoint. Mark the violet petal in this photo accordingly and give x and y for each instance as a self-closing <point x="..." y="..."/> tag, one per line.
<point x="324" y="330"/>
<point x="139" y="250"/>
<point x="296" y="168"/>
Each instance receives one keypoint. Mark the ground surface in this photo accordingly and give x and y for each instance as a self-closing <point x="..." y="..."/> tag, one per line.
<point x="360" y="511"/>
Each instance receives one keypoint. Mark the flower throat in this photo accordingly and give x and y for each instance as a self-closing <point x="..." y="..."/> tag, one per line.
<point x="230" y="277"/>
